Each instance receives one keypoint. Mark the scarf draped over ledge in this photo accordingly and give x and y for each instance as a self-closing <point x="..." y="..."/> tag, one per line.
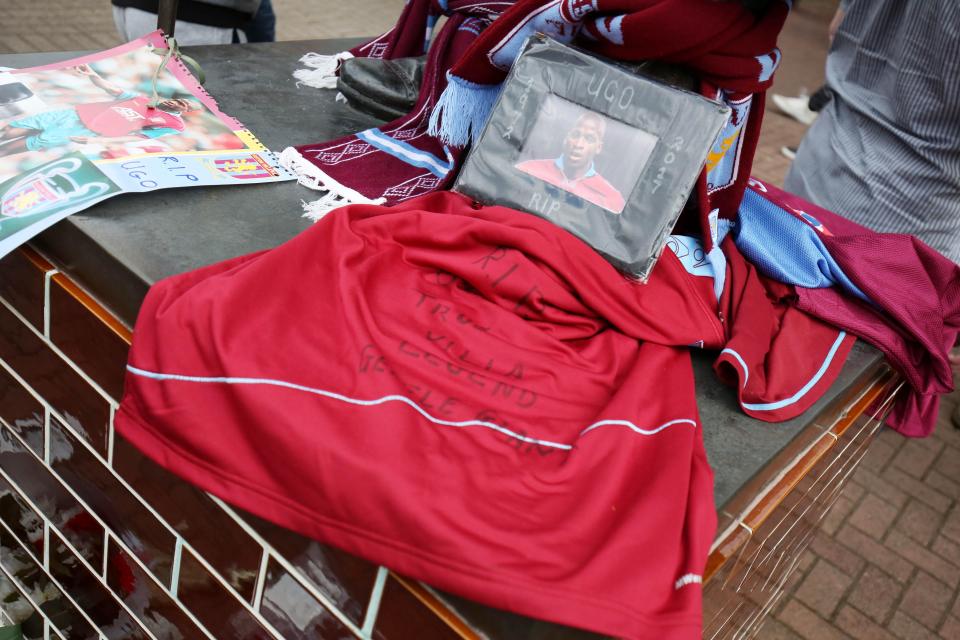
<point x="731" y="49"/>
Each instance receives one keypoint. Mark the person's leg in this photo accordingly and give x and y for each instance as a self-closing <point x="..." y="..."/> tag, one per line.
<point x="10" y="132"/>
<point x="263" y="26"/>
<point x="12" y="147"/>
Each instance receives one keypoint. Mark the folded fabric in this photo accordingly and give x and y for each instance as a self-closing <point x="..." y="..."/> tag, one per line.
<point x="892" y="290"/>
<point x="471" y="396"/>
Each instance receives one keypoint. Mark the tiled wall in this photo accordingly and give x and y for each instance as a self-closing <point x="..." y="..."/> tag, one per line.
<point x="97" y="541"/>
<point x="758" y="550"/>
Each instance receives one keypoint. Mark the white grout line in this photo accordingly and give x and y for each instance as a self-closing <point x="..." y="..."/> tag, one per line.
<point x="106" y="552"/>
<point x="203" y="561"/>
<point x="46" y="546"/>
<point x="261" y="580"/>
<point x="47" y="277"/>
<point x="46" y="435"/>
<point x="288" y="566"/>
<point x="49" y="577"/>
<point x="373" y="608"/>
<point x="53" y="347"/>
<point x="26" y="596"/>
<point x="110" y="436"/>
<point x="175" y="568"/>
<point x="103" y="524"/>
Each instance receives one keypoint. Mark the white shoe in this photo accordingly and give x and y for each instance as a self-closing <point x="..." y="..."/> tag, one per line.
<point x="797" y="108"/>
<point x="789" y="152"/>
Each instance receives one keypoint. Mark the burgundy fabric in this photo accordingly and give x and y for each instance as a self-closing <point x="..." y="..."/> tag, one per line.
<point x="722" y="41"/>
<point x="915" y="317"/>
<point x="468" y="395"/>
<point x="472" y="397"/>
<point x="375" y="173"/>
<point x="780" y="359"/>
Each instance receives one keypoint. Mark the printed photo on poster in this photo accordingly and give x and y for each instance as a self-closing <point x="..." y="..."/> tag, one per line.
<point x="130" y="119"/>
<point x="585" y="153"/>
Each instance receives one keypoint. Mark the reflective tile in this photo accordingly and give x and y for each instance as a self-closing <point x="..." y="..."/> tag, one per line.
<point x="343" y="578"/>
<point x="503" y="625"/>
<point x="200" y="521"/>
<point x="30" y="578"/>
<point x="86" y="340"/>
<point x="217" y="610"/>
<point x="146" y="599"/>
<point x="18" y="610"/>
<point x="47" y="373"/>
<point x="21" y="411"/>
<point x="36" y="482"/>
<point x="129" y="519"/>
<point x="21" y="284"/>
<point x="294" y="612"/>
<point x="402" y="615"/>
<point x="90" y="594"/>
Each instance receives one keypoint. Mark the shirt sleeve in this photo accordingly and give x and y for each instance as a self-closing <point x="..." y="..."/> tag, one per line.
<point x="157" y="132"/>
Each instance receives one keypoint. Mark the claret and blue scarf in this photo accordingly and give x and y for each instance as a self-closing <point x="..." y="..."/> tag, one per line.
<point x="731" y="49"/>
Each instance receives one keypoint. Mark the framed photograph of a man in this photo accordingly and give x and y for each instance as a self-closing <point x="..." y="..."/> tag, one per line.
<point x="607" y="154"/>
<point x="585" y="153"/>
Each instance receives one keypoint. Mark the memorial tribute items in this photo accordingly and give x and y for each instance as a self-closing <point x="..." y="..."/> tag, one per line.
<point x="473" y="397"/>
<point x="124" y="120"/>
<point x="397" y="160"/>
<point x="892" y="290"/>
<point x="731" y="49"/>
<point x="605" y="154"/>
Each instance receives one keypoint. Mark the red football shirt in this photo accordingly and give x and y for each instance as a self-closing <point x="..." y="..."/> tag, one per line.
<point x="119" y="118"/>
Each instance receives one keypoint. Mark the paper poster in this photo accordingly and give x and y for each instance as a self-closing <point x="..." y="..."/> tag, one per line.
<point x="129" y="119"/>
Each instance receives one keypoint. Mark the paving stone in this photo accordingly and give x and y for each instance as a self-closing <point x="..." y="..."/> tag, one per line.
<point x="823" y="588"/>
<point x="918" y="489"/>
<point x="878" y="455"/>
<point x="773" y="629"/>
<point x="859" y="626"/>
<point x="915" y="458"/>
<point x="875" y="553"/>
<point x="943" y="484"/>
<point x="948" y="463"/>
<point x="826" y="547"/>
<point x="951" y="527"/>
<point x="926" y="600"/>
<point x="875" y="594"/>
<point x="808" y="624"/>
<point x="923" y="558"/>
<point x="947" y="550"/>
<point x="950" y="629"/>
<point x="906" y="628"/>
<point x="880" y="487"/>
<point x="838" y="513"/>
<point x="919" y="522"/>
<point x="873" y="516"/>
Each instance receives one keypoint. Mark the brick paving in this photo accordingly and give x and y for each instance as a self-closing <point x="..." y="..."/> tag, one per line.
<point x="885" y="565"/>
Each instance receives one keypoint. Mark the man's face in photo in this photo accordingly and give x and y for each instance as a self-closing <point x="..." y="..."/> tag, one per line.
<point x="582" y="143"/>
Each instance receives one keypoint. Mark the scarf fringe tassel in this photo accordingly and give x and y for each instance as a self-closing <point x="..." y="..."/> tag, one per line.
<point x="462" y="111"/>
<point x="310" y="176"/>
<point x="321" y="71"/>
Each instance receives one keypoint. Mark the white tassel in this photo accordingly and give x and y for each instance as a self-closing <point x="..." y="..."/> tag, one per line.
<point x="311" y="176"/>
<point x="321" y="71"/>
